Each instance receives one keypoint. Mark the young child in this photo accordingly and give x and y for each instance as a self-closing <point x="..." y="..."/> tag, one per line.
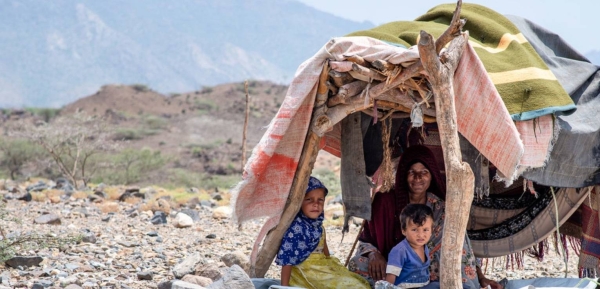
<point x="304" y="256"/>
<point x="408" y="262"/>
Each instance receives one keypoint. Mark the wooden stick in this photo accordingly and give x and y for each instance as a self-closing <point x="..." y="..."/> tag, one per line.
<point x="383" y="65"/>
<point x="417" y="68"/>
<point x="362" y="226"/>
<point x="272" y="241"/>
<point x="358" y="60"/>
<point x="368" y="73"/>
<point x="352" y="89"/>
<point x="340" y="78"/>
<point x="459" y="176"/>
<point x="245" y="126"/>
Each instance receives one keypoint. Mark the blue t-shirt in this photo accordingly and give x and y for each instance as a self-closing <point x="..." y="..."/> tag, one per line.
<point x="404" y="262"/>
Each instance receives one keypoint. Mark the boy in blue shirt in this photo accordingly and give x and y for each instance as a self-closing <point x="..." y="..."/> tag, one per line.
<point x="408" y="262"/>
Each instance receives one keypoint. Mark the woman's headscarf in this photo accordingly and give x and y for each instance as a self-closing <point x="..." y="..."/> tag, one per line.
<point x="303" y="235"/>
<point x="384" y="231"/>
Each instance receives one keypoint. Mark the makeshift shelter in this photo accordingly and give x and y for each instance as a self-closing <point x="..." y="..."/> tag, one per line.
<point x="524" y="102"/>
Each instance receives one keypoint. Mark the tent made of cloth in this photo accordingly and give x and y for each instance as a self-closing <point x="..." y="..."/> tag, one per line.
<point x="535" y="134"/>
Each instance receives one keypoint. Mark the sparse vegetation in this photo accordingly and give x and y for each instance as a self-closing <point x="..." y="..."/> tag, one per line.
<point x="131" y="165"/>
<point x="16" y="153"/>
<point x="140" y="87"/>
<point x="15" y="244"/>
<point x="71" y="141"/>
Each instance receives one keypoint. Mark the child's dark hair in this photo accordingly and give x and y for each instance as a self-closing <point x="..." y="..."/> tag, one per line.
<point x="418" y="213"/>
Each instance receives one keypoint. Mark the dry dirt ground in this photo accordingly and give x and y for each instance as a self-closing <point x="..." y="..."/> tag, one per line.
<point x="127" y="245"/>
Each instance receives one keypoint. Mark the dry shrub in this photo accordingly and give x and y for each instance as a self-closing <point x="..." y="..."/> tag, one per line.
<point x="114" y="192"/>
<point x="79" y="195"/>
<point x="132" y="200"/>
<point x="109" y="207"/>
<point x="156" y="205"/>
<point x="38" y="196"/>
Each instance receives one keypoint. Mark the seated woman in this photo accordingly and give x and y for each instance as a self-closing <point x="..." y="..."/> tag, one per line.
<point x="418" y="181"/>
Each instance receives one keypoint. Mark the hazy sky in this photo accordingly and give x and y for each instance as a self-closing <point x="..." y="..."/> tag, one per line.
<point x="576" y="21"/>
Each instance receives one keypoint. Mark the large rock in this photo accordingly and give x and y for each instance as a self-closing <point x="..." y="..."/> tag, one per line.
<point x="188" y="265"/>
<point x="50" y="219"/>
<point x="236" y="258"/>
<point x="159" y="218"/>
<point x="222" y="212"/>
<point x="167" y="284"/>
<point x="183" y="221"/>
<point x="209" y="271"/>
<point x="198" y="280"/>
<point x="234" y="278"/>
<point x="186" y="285"/>
<point x="25" y="261"/>
<point x="192" y="213"/>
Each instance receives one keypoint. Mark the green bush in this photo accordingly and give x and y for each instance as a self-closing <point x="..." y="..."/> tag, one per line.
<point x="154" y="122"/>
<point x="45" y="113"/>
<point x="140" y="87"/>
<point x="14" y="154"/>
<point x="131" y="166"/>
<point x="330" y="180"/>
<point x="128" y="134"/>
<point x="179" y="177"/>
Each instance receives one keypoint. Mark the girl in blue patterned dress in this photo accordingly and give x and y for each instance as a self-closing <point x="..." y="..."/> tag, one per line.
<point x="304" y="257"/>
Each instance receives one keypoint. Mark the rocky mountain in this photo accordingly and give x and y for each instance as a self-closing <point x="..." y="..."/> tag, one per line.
<point x="54" y="52"/>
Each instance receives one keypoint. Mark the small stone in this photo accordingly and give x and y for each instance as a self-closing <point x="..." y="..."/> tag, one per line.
<point x="127" y="244"/>
<point x="183" y="221"/>
<point x="187" y="266"/>
<point x="210" y="271"/>
<point x="192" y="213"/>
<point x="211" y="236"/>
<point x="186" y="285"/>
<point x="73" y="286"/>
<point x="167" y="284"/>
<point x="106" y="219"/>
<point x="222" y="212"/>
<point x="24" y="261"/>
<point x="198" y="280"/>
<point x="236" y="258"/>
<point x="144" y="275"/>
<point x="234" y="278"/>
<point x="159" y="218"/>
<point x="152" y="234"/>
<point x="49" y="219"/>
<point x="88" y="237"/>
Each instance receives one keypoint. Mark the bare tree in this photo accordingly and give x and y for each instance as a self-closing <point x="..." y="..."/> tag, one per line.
<point x="71" y="141"/>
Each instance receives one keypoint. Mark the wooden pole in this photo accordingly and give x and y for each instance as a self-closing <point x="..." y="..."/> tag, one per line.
<point x="245" y="125"/>
<point x="270" y="246"/>
<point x="272" y="241"/>
<point x="459" y="176"/>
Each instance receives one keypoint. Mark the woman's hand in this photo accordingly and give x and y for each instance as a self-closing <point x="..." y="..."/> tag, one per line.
<point x="484" y="282"/>
<point x="377" y="266"/>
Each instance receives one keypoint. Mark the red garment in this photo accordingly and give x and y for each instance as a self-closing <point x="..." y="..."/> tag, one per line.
<point x="384" y="231"/>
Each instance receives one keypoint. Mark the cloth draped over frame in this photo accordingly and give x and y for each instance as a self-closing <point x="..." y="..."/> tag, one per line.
<point x="520" y="75"/>
<point x="270" y="170"/>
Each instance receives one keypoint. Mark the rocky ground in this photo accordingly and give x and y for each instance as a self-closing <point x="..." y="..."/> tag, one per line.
<point x="138" y="243"/>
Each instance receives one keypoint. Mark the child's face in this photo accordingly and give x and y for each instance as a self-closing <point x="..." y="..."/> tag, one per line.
<point x="418" y="235"/>
<point x="312" y="205"/>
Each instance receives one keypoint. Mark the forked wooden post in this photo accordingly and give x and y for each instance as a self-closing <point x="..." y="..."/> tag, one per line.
<point x="272" y="241"/>
<point x="459" y="176"/>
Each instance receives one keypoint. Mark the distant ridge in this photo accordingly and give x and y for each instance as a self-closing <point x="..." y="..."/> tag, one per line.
<point x="54" y="52"/>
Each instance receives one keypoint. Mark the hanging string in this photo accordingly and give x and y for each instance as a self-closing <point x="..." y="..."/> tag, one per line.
<point x="387" y="174"/>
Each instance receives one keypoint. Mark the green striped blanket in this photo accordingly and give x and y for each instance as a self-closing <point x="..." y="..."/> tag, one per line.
<point x="527" y="86"/>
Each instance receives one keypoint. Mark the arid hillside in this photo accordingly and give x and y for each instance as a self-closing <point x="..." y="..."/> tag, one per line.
<point x="197" y="134"/>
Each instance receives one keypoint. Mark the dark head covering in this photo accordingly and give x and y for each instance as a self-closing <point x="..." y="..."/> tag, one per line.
<point x="384" y="230"/>
<point x="314" y="183"/>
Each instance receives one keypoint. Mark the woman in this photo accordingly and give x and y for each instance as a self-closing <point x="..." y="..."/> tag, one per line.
<point x="418" y="181"/>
